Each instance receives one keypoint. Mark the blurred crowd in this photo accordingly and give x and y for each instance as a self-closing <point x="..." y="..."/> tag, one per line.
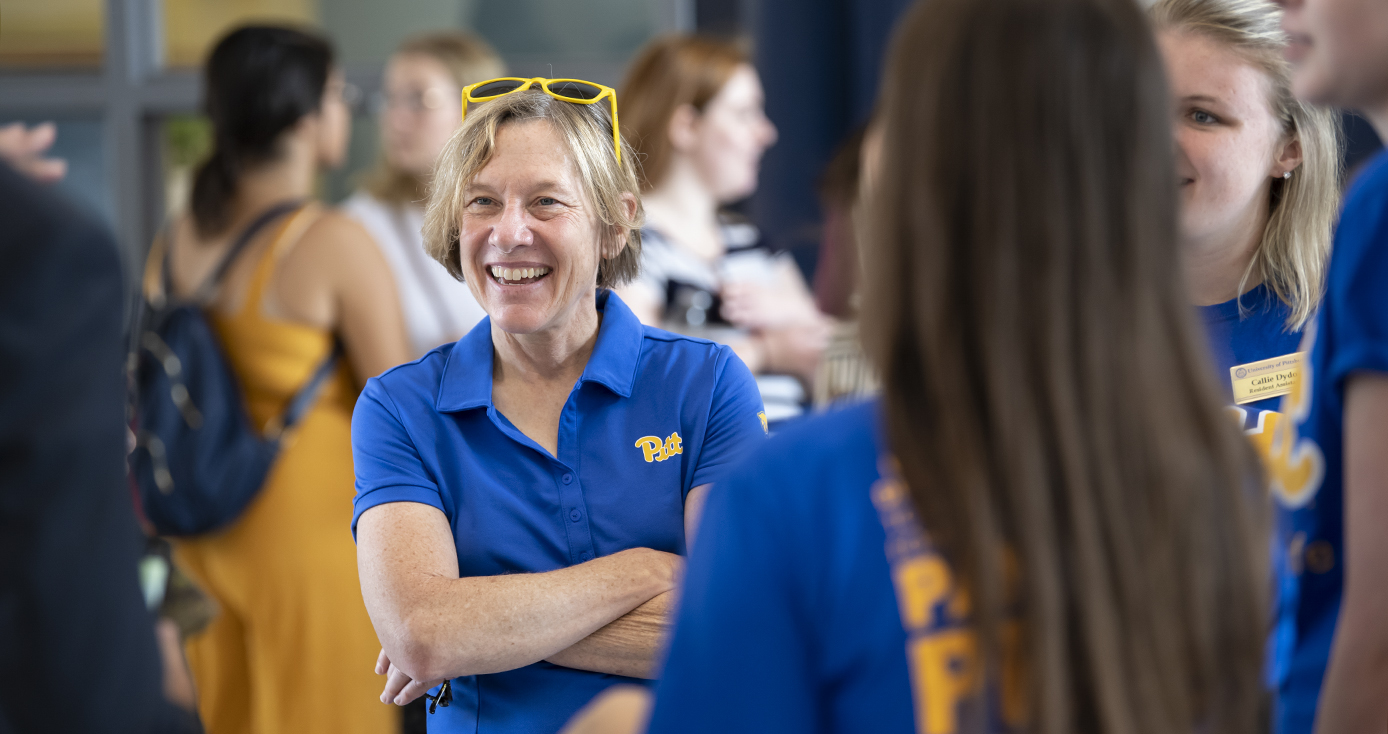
<point x="1068" y="418"/>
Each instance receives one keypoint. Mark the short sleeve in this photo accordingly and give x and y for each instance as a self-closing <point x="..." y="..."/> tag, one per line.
<point x="387" y="464"/>
<point x="1357" y="315"/>
<point x="740" y="658"/>
<point x="736" y="421"/>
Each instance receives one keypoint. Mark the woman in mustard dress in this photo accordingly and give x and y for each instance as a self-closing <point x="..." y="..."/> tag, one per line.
<point x="292" y="648"/>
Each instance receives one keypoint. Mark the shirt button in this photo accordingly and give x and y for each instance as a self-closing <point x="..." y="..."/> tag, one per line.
<point x="567" y="479"/>
<point x="575" y="515"/>
<point x="585" y="556"/>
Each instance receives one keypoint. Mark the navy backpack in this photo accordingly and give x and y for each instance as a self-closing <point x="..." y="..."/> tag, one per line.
<point x="198" y="460"/>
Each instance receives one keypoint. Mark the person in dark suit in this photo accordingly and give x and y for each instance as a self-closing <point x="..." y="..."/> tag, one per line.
<point x="78" y="648"/>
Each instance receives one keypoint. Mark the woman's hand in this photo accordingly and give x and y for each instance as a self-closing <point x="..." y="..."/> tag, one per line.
<point x="400" y="688"/>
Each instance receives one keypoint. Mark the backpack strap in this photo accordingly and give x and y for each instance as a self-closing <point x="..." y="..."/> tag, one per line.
<point x="208" y="288"/>
<point x="288" y="236"/>
<point x="302" y="401"/>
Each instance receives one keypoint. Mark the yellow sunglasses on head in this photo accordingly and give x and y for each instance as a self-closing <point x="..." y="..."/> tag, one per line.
<point x="576" y="91"/>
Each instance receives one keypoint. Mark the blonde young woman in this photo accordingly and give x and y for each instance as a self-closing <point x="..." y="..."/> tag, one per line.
<point x="421" y="108"/>
<point x="1259" y="178"/>
<point x="1258" y="172"/>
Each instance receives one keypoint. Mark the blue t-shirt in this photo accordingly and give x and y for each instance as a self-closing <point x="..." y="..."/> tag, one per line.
<point x="1307" y="454"/>
<point x="1236" y="338"/>
<point x="789" y="620"/>
<point x="1260" y="332"/>
<point x="653" y="416"/>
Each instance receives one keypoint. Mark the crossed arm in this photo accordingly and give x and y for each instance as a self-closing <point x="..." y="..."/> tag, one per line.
<point x="607" y="615"/>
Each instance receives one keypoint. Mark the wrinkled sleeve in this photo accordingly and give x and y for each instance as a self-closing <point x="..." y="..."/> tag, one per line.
<point x="387" y="463"/>
<point x="735" y="422"/>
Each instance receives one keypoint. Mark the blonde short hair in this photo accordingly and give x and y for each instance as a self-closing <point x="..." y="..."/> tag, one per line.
<point x="1295" y="248"/>
<point x="587" y="129"/>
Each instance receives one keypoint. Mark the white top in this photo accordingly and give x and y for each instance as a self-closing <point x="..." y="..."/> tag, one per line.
<point x="438" y="309"/>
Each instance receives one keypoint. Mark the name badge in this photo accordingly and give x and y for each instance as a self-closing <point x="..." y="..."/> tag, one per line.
<point x="1269" y="378"/>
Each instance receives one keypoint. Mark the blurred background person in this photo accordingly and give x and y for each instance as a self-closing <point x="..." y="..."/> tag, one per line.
<point x="844" y="373"/>
<point x="71" y="606"/>
<point x="1331" y="458"/>
<point x="1259" y="176"/>
<point x="693" y="109"/>
<point x="292" y="648"/>
<point x="420" y="108"/>
<point x="1013" y="538"/>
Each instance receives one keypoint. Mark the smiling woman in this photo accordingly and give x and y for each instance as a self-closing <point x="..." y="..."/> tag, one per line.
<point x="518" y="536"/>
<point x="1258" y="172"/>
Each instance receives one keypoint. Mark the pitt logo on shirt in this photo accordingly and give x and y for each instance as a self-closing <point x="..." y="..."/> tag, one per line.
<point x="658" y="450"/>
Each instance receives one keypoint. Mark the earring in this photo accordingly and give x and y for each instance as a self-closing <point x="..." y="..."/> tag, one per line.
<point x="1287" y="174"/>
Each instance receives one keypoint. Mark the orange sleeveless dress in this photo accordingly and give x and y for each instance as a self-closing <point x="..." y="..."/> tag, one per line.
<point x="292" y="649"/>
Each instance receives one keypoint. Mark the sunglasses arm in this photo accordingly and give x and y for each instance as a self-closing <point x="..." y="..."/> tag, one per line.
<point x="616" y="129"/>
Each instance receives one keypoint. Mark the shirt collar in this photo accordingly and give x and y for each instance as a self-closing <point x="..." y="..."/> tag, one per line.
<point x="467" y="375"/>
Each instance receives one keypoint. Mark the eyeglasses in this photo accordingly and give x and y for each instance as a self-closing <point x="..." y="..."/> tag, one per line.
<point x="576" y="91"/>
<point x="414" y="102"/>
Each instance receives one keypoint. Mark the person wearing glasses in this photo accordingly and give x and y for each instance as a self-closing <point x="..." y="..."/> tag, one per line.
<point x="419" y="110"/>
<point x="1048" y="523"/>
<point x="524" y="495"/>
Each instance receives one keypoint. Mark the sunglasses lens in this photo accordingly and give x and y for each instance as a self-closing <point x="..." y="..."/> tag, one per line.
<point x="575" y="89"/>
<point x="496" y="88"/>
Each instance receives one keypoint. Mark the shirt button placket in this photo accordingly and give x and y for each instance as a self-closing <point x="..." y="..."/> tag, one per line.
<point x="577" y="530"/>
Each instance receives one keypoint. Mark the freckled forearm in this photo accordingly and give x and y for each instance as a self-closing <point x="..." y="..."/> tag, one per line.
<point x="627" y="646"/>
<point x="493" y="624"/>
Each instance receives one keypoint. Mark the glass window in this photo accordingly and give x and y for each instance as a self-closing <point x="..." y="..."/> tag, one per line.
<point x="192" y="26"/>
<point x="51" y="33"/>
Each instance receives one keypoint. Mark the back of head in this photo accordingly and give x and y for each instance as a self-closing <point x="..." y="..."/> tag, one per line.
<point x="1045" y="389"/>
<point x="1295" y="246"/>
<point x="258" y="83"/>
<point x="667" y="73"/>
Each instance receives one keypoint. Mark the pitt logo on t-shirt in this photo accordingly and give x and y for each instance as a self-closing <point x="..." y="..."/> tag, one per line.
<point x="658" y="450"/>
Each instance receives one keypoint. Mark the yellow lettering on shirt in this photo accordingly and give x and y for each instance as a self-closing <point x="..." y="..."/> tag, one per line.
<point x="656" y="449"/>
<point x="944" y="669"/>
<point x="1295" y="465"/>
<point x="921" y="582"/>
<point x="765" y="427"/>
<point x="653" y="447"/>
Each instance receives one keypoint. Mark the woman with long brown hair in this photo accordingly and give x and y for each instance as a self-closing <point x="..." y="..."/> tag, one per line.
<point x="1074" y="538"/>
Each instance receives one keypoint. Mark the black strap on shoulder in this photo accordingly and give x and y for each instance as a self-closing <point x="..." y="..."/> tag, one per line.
<point x="209" y="284"/>
<point x="300" y="404"/>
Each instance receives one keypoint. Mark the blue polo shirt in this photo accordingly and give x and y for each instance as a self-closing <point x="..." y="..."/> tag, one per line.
<point x="789" y="621"/>
<point x="1306" y="466"/>
<point x="654" y="415"/>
